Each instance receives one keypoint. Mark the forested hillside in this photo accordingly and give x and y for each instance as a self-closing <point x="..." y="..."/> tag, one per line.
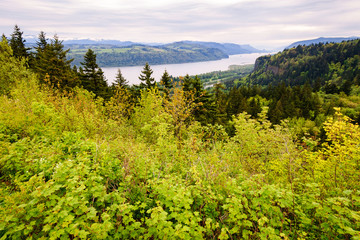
<point x="140" y="54"/>
<point x="83" y="160"/>
<point x="332" y="67"/>
<point x="134" y="54"/>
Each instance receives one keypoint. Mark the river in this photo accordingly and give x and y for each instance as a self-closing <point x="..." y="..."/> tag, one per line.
<point x="132" y="73"/>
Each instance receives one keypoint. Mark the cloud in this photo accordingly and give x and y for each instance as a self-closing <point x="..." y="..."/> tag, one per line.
<point x="259" y="22"/>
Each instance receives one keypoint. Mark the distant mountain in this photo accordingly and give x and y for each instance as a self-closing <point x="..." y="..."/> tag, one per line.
<point x="31" y="41"/>
<point x="99" y="42"/>
<point x="320" y="40"/>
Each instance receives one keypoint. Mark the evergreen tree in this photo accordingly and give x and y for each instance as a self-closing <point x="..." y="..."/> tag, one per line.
<point x="4" y="38"/>
<point x="92" y="76"/>
<point x="187" y="83"/>
<point x="17" y="43"/>
<point x="254" y="107"/>
<point x="52" y="65"/>
<point x="236" y="103"/>
<point x="42" y="42"/>
<point x="206" y="110"/>
<point x="145" y="77"/>
<point x="120" y="81"/>
<point x="166" y="83"/>
<point x="276" y="112"/>
<point x="220" y="102"/>
<point x="197" y="86"/>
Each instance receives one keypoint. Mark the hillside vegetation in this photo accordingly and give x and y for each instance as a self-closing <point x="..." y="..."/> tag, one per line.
<point x="332" y="67"/>
<point x="140" y="54"/>
<point x="145" y="162"/>
<point x="177" y="52"/>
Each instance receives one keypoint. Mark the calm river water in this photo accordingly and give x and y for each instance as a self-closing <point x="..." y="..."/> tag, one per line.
<point x="132" y="73"/>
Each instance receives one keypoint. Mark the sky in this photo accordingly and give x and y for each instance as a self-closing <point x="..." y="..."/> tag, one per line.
<point x="265" y="24"/>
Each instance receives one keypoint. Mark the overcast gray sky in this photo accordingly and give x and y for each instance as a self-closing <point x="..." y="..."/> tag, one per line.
<point x="260" y="23"/>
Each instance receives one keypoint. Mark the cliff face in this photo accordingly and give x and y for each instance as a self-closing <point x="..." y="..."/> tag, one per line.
<point x="264" y="64"/>
<point x="274" y="69"/>
<point x="261" y="62"/>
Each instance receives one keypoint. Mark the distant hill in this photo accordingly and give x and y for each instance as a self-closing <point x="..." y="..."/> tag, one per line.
<point x="135" y="55"/>
<point x="320" y="40"/>
<point x="114" y="53"/>
<point x="98" y="42"/>
<point x="228" y="48"/>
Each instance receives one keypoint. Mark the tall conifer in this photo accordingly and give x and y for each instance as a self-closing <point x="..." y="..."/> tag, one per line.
<point x="17" y="43"/>
<point x="51" y="63"/>
<point x="147" y="81"/>
<point x="166" y="83"/>
<point x="92" y="77"/>
<point x="120" y="80"/>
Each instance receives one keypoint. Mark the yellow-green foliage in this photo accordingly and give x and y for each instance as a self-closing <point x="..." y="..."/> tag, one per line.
<point x="12" y="71"/>
<point x="120" y="105"/>
<point x="74" y="167"/>
<point x="337" y="163"/>
<point x="150" y="117"/>
<point x="258" y="148"/>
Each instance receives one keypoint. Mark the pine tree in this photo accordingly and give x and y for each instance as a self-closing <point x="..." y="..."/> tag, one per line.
<point x="236" y="102"/>
<point x="120" y="81"/>
<point x="42" y="42"/>
<point x="220" y="103"/>
<point x="276" y="112"/>
<point x="254" y="107"/>
<point x="52" y="65"/>
<point x="187" y="83"/>
<point x="17" y="43"/>
<point x="145" y="77"/>
<point x="92" y="76"/>
<point x="3" y="38"/>
<point x="206" y="110"/>
<point x="166" y="83"/>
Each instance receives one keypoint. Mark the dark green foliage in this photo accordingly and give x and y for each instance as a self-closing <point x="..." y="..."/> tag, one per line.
<point x="51" y="63"/>
<point x="17" y="43"/>
<point x="42" y="42"/>
<point x="205" y="111"/>
<point x="147" y="81"/>
<point x="187" y="82"/>
<point x="334" y="67"/>
<point x="120" y="80"/>
<point x="221" y="104"/>
<point x="92" y="77"/>
<point x="166" y="83"/>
